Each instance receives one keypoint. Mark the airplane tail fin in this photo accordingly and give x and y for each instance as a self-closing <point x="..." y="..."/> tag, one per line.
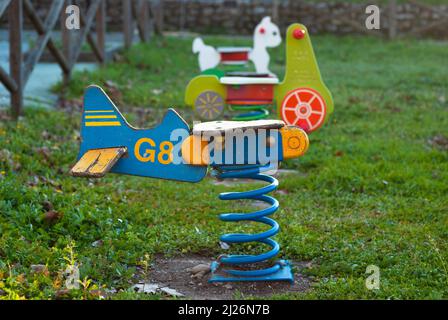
<point x="110" y="144"/>
<point x="99" y="110"/>
<point x="101" y="121"/>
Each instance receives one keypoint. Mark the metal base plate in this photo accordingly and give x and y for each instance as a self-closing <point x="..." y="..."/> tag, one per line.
<point x="284" y="274"/>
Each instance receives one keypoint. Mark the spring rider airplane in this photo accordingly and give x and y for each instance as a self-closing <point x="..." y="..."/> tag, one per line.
<point x="172" y="151"/>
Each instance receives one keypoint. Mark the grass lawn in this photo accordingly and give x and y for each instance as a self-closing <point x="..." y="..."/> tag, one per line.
<point x="372" y="189"/>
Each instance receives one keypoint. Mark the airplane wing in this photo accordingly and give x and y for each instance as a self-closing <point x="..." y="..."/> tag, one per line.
<point x="95" y="163"/>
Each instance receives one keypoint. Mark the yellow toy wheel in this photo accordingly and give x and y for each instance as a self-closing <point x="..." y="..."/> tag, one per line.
<point x="209" y="105"/>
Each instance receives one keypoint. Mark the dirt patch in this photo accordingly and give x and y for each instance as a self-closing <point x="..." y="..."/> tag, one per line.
<point x="439" y="141"/>
<point x="173" y="273"/>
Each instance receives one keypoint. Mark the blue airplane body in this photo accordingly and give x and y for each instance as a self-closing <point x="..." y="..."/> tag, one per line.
<point x="103" y="126"/>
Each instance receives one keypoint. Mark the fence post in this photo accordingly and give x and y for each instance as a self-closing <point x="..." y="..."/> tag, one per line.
<point x="182" y="15"/>
<point x="101" y="29"/>
<point x="392" y="19"/>
<point x="275" y="10"/>
<point x="15" y="55"/>
<point x="128" y="23"/>
<point x="142" y="17"/>
<point x="66" y="43"/>
<point x="159" y="17"/>
<point x="148" y="24"/>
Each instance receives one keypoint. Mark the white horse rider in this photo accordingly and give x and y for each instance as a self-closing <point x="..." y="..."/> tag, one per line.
<point x="266" y="35"/>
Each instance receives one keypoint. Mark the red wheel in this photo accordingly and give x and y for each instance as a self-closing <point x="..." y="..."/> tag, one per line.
<point x="305" y="108"/>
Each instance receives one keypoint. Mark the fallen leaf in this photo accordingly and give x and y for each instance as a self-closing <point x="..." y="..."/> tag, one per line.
<point x="153" y="288"/>
<point x="118" y="57"/>
<point x="62" y="293"/>
<point x="34" y="181"/>
<point x="98" y="293"/>
<point x="70" y="105"/>
<point x="439" y="141"/>
<point x="7" y="157"/>
<point x="146" y="287"/>
<point x="47" y="205"/>
<point x="5" y="116"/>
<point x="156" y="91"/>
<point x="44" y="152"/>
<point x="171" y="292"/>
<point x="97" y="243"/>
<point x="40" y="269"/>
<point x="224" y="245"/>
<point x="354" y="99"/>
<point x="51" y="217"/>
<point x="282" y="192"/>
<point x="45" y="135"/>
<point x="21" y="278"/>
<point x="110" y="84"/>
<point x="113" y="91"/>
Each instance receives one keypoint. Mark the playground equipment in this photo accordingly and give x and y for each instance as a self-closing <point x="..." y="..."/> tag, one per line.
<point x="301" y="99"/>
<point x="266" y="35"/>
<point x="172" y="151"/>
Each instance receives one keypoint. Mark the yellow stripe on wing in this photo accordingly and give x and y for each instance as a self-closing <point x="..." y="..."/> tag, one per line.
<point x="98" y="111"/>
<point x="102" y="124"/>
<point x="101" y="117"/>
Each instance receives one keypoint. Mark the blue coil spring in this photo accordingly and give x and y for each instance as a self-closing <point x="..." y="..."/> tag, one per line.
<point x="251" y="172"/>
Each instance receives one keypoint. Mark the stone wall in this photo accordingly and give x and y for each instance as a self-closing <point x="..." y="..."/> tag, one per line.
<point x="240" y="16"/>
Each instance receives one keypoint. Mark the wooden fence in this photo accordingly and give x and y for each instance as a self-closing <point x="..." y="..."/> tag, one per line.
<point x="140" y="14"/>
